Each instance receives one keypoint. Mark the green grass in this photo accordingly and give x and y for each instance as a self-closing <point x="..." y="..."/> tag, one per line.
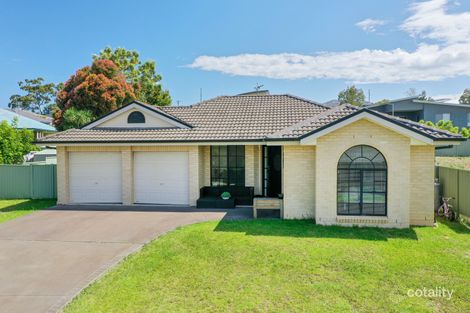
<point x="288" y="266"/>
<point x="11" y="209"/>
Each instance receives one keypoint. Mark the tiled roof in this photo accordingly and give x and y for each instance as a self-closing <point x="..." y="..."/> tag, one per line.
<point x="238" y="118"/>
<point x="344" y="111"/>
<point x="310" y="124"/>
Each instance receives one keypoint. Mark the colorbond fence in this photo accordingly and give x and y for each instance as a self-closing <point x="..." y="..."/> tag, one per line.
<point x="459" y="150"/>
<point x="455" y="183"/>
<point x="28" y="181"/>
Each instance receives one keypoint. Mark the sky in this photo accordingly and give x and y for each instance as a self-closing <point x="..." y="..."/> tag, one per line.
<point x="311" y="49"/>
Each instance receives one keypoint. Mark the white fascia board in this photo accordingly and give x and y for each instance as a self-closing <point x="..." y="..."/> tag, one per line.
<point x="207" y="143"/>
<point x="311" y="140"/>
<point x="133" y="106"/>
<point x="282" y="143"/>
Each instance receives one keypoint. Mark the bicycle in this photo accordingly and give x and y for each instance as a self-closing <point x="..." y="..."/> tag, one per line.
<point x="446" y="209"/>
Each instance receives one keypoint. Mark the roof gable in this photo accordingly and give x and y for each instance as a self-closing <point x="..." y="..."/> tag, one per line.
<point x="417" y="132"/>
<point x="154" y="117"/>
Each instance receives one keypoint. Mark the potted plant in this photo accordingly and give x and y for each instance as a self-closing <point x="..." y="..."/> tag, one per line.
<point x="225" y="195"/>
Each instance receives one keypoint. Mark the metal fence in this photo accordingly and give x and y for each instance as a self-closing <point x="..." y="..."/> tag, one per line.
<point x="455" y="183"/>
<point x="461" y="150"/>
<point x="28" y="181"/>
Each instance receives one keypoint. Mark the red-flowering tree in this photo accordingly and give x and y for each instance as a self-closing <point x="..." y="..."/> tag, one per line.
<point x="92" y="91"/>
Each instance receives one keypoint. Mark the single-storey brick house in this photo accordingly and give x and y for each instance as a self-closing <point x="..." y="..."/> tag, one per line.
<point x="343" y="165"/>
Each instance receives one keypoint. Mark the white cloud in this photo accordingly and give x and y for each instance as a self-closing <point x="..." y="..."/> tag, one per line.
<point x="448" y="57"/>
<point x="449" y="98"/>
<point x="430" y="20"/>
<point x="369" y="25"/>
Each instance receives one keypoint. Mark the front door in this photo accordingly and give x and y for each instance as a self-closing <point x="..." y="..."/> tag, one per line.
<point x="272" y="170"/>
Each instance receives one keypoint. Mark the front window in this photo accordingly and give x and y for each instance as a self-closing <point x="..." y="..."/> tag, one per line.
<point x="362" y="182"/>
<point x="442" y="117"/>
<point x="228" y="165"/>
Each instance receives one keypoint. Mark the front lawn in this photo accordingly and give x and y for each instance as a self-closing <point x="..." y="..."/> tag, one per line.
<point x="10" y="209"/>
<point x="288" y="266"/>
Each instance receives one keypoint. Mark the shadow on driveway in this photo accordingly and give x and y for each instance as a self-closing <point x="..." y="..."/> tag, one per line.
<point x="239" y="213"/>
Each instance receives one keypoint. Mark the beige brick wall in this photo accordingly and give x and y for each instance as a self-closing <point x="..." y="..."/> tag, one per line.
<point x="422" y="186"/>
<point x="257" y="169"/>
<point x="396" y="150"/>
<point x="127" y="174"/>
<point x="127" y="168"/>
<point x="249" y="166"/>
<point x="207" y="165"/>
<point x="299" y="181"/>
<point x="62" y="176"/>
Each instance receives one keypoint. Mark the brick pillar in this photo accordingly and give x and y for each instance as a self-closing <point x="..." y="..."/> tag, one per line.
<point x="127" y="161"/>
<point x="249" y="166"/>
<point x="193" y="174"/>
<point x="62" y="175"/>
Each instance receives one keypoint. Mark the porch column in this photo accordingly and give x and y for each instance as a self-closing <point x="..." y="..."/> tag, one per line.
<point x="249" y="166"/>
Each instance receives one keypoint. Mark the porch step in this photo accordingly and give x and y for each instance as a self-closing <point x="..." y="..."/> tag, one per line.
<point x="266" y="204"/>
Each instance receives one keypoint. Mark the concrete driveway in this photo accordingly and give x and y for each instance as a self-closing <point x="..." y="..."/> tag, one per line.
<point x="48" y="257"/>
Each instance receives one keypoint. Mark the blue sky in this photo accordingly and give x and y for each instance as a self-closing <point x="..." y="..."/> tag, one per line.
<point x="311" y="49"/>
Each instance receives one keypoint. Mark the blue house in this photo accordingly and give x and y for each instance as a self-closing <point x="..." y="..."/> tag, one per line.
<point x="414" y="109"/>
<point x="39" y="129"/>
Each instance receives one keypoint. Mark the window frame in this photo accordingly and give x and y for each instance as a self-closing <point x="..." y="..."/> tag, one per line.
<point x="361" y="191"/>
<point x="235" y="174"/>
<point x="136" y="117"/>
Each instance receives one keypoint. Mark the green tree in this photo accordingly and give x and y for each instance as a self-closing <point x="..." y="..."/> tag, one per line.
<point x="142" y="76"/>
<point x="14" y="143"/>
<point x="74" y="118"/>
<point x="465" y="132"/>
<point x="383" y="101"/>
<point x="38" y="98"/>
<point x="93" y="90"/>
<point x="448" y="126"/>
<point x="352" y="95"/>
<point x="465" y="97"/>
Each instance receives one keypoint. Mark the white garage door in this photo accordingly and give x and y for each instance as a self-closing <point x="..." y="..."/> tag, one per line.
<point x="95" y="177"/>
<point x="161" y="177"/>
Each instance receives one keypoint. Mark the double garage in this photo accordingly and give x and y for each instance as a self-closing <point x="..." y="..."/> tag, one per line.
<point x="158" y="177"/>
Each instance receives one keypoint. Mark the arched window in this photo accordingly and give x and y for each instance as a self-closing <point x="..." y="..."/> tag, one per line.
<point x="136" y="117"/>
<point x="362" y="182"/>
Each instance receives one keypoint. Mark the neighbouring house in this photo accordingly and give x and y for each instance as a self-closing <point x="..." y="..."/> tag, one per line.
<point x="40" y="129"/>
<point x="415" y="109"/>
<point x="343" y="165"/>
<point x="34" y="116"/>
<point x="47" y="156"/>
